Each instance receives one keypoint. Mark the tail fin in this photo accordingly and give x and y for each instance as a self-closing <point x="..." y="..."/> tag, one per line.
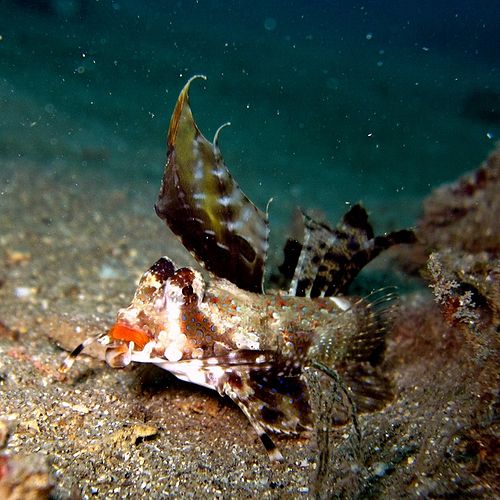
<point x="329" y="259"/>
<point x="353" y="347"/>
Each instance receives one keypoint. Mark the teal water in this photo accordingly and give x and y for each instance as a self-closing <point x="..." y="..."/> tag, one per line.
<point x="329" y="104"/>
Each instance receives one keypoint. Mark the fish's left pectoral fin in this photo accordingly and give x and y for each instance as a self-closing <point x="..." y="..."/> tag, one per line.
<point x="204" y="206"/>
<point x="360" y="338"/>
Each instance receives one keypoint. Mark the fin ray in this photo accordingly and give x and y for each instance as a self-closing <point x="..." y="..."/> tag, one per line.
<point x="271" y="395"/>
<point x="354" y="347"/>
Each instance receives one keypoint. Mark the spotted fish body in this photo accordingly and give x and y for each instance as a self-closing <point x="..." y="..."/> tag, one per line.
<point x="223" y="332"/>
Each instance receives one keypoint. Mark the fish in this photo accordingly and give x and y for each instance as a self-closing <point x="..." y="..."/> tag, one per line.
<point x="220" y="328"/>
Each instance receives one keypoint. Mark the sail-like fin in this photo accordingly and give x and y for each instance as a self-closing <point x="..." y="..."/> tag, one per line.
<point x="330" y="259"/>
<point x="203" y="205"/>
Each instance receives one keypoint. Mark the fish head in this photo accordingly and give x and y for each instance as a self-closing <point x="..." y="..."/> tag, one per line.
<point x="156" y="326"/>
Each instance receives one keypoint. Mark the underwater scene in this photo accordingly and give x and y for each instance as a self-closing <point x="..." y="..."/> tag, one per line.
<point x="249" y="249"/>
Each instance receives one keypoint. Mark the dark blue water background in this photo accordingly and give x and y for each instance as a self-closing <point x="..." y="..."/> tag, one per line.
<point x="330" y="102"/>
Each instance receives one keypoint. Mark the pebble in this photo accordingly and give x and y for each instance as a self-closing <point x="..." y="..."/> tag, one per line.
<point x="380" y="469"/>
<point x="23" y="292"/>
<point x="4" y="433"/>
<point x="133" y="434"/>
<point x="15" y="257"/>
<point x="82" y="409"/>
<point x="108" y="273"/>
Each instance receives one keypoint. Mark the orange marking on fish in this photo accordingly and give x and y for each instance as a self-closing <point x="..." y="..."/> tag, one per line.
<point x="121" y="331"/>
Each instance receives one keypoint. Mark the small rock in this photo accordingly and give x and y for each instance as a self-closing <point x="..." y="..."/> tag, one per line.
<point x="133" y="434"/>
<point x="380" y="469"/>
<point x="23" y="292"/>
<point x="80" y="408"/>
<point x="25" y="477"/>
<point x="108" y="272"/>
<point x="15" y="257"/>
<point x="30" y="425"/>
<point x="4" y="433"/>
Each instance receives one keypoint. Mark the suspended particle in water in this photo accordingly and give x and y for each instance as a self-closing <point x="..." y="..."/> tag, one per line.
<point x="270" y="24"/>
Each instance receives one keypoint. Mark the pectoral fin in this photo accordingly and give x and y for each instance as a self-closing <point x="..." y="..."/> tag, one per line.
<point x="270" y="393"/>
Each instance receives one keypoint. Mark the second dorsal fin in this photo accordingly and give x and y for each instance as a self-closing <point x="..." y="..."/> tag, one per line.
<point x="330" y="259"/>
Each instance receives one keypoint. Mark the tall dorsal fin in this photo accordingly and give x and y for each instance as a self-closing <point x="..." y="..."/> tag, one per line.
<point x="330" y="259"/>
<point x="203" y="205"/>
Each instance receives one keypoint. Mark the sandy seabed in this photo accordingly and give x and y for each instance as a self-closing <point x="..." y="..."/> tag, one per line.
<point x="71" y="252"/>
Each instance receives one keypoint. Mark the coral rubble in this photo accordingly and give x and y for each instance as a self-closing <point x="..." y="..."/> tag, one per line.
<point x="461" y="225"/>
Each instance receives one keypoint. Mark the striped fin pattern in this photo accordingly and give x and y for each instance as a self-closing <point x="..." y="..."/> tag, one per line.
<point x="330" y="259"/>
<point x="203" y="205"/>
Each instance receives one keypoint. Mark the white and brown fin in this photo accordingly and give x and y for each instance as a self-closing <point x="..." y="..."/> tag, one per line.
<point x="330" y="259"/>
<point x="273" y="398"/>
<point x="267" y="387"/>
<point x="203" y="205"/>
